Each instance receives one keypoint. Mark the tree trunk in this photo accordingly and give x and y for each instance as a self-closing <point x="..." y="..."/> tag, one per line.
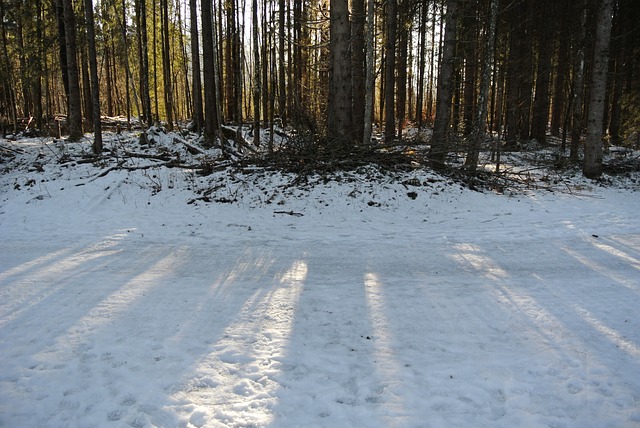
<point x="282" y="93"/>
<point x="470" y="45"/>
<point x="297" y="62"/>
<point x="370" y="74"/>
<point x="256" y="75"/>
<point x="593" y="144"/>
<point x="196" y="80"/>
<point x="109" y="80"/>
<point x="424" y="17"/>
<point x="86" y="82"/>
<point x="125" y="42"/>
<point x="358" y="70"/>
<point x="7" y="81"/>
<point x="577" y="86"/>
<point x="562" y="69"/>
<point x="166" y="64"/>
<point x="432" y="57"/>
<point x="339" y="116"/>
<point x="545" y="28"/>
<point x="265" y="65"/>
<point x="618" y="54"/>
<point x="93" y="66"/>
<point x="40" y="57"/>
<point x="211" y="124"/>
<point x="389" y="72"/>
<point x="74" y="119"/>
<point x="440" y="140"/>
<point x="141" y="21"/>
<point x="516" y="80"/>
<point x="402" y="53"/>
<point x="480" y="121"/>
<point x="229" y="63"/>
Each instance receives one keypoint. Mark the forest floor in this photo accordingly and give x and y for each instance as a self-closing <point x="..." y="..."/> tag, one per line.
<point x="165" y="286"/>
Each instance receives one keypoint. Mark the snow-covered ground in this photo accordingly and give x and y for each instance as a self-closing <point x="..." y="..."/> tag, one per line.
<point x="345" y="304"/>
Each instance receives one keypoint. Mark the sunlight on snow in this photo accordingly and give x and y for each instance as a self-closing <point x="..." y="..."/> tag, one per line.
<point x="387" y="365"/>
<point x="471" y="254"/>
<point x="237" y="381"/>
<point x="550" y="330"/>
<point x="613" y="336"/>
<point x="42" y="281"/>
<point x="91" y="252"/>
<point x="251" y="262"/>
<point x="32" y="265"/>
<point x="631" y="284"/>
<point x="127" y="294"/>
<point x="297" y="273"/>
<point x="547" y="326"/>
<point x="620" y="254"/>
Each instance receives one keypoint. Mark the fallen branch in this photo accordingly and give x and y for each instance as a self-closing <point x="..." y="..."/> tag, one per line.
<point x="104" y="172"/>
<point x="292" y="213"/>
<point x="194" y="150"/>
<point x="9" y="149"/>
<point x="147" y="156"/>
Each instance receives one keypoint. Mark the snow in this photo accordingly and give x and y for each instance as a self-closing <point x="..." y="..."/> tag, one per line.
<point x="125" y="301"/>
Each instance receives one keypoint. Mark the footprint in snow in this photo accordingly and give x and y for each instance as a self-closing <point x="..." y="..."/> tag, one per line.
<point x="129" y="400"/>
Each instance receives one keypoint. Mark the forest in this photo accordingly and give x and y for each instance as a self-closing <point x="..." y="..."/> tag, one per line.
<point x="320" y="213"/>
<point x="479" y="75"/>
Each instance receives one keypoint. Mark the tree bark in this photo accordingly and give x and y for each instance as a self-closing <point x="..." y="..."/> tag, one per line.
<point x="563" y="63"/>
<point x="480" y="121"/>
<point x="370" y="74"/>
<point x="358" y="68"/>
<point x="93" y="71"/>
<point x="125" y="42"/>
<point x="141" y="21"/>
<point x="424" y="17"/>
<point x="577" y="85"/>
<point x="196" y="80"/>
<point x="440" y="141"/>
<point x="545" y="29"/>
<point x="211" y="124"/>
<point x="402" y="54"/>
<point x="593" y="144"/>
<point x="339" y="116"/>
<point x="282" y="93"/>
<point x="389" y="73"/>
<point x="470" y="45"/>
<point x="256" y="75"/>
<point x="74" y="119"/>
<point x="166" y="64"/>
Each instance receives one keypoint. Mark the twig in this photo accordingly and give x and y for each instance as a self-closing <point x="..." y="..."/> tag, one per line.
<point x="292" y="213"/>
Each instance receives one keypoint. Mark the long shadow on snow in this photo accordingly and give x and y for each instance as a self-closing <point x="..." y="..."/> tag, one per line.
<point x="570" y="306"/>
<point x="131" y="335"/>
